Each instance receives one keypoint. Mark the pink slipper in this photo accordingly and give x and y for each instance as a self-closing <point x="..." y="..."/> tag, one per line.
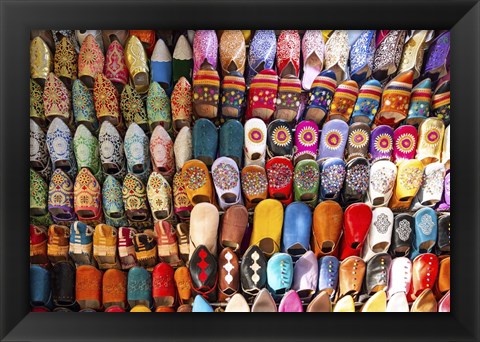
<point x="313" y="48"/>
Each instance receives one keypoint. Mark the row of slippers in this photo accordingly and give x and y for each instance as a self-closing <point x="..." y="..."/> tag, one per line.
<point x="225" y="280"/>
<point x="262" y="100"/>
<point x="410" y="187"/>
<point x="330" y="232"/>
<point x="267" y="99"/>
<point x="356" y="54"/>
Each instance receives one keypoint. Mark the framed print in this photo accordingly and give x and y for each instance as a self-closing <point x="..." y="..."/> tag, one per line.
<point x="239" y="158"/>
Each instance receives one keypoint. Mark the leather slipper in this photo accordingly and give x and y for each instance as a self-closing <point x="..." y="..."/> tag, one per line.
<point x="305" y="276"/>
<point x="290" y="302"/>
<point x="279" y="263"/>
<point x="88" y="198"/>
<point x="328" y="276"/>
<point x="413" y="51"/>
<point x="231" y="141"/>
<point x="204" y="272"/>
<point x="137" y="62"/>
<point x="420" y="100"/>
<point x="181" y="104"/>
<point x="400" y="277"/>
<point x="404" y="143"/>
<point x="83" y="106"/>
<point x="107" y="101"/>
<point x="112" y="154"/>
<point x="105" y="247"/>
<point x="381" y="143"/>
<point x="267" y="226"/>
<point x="446" y="148"/>
<point x="136" y="147"/>
<point x="343" y="101"/>
<point x="288" y="53"/>
<point x="297" y="226"/>
<point x="228" y="275"/>
<point x="161" y="151"/>
<point x="430" y="138"/>
<point x="114" y="289"/>
<point x="409" y="181"/>
<point x="358" y="141"/>
<point x="430" y="193"/>
<point x="306" y="141"/>
<point x="288" y="98"/>
<point x="264" y="302"/>
<point x="61" y="198"/>
<point x="90" y="61"/>
<point x="205" y="141"/>
<point x="159" y="194"/>
<point x="134" y="196"/>
<point x="379" y="234"/>
<point x="197" y="182"/>
<point x="161" y="65"/>
<point x="332" y="177"/>
<point x="254" y="185"/>
<point x="158" y="107"/>
<point x="167" y="246"/>
<point x="327" y="228"/>
<point x="255" y="142"/>
<point x="205" y="49"/>
<point x="163" y="285"/>
<point x="426" y="230"/>
<point x="437" y="59"/>
<point x="441" y="102"/>
<point x="226" y="178"/>
<point x="336" y="53"/>
<point x="115" y="65"/>
<point x="233" y="95"/>
<point x="182" y="147"/>
<point x="126" y="249"/>
<point x="234" y="224"/>
<point x="362" y="52"/>
<point x="65" y="62"/>
<point x="280" y="179"/>
<point x="232" y="52"/>
<point x="253" y="271"/>
<point x="382" y="179"/>
<point x="182" y="60"/>
<point x="139" y="287"/>
<point x="313" y="47"/>
<point x="146" y="249"/>
<point x="204" y="228"/>
<point x="357" y="173"/>
<point x="181" y="203"/>
<point x="41" y="67"/>
<point x="357" y="220"/>
<point x="88" y="287"/>
<point x="402" y="235"/>
<point x="56" y="100"/>
<point x="279" y="139"/>
<point x="333" y="140"/>
<point x="306" y="180"/>
<point x="388" y="53"/>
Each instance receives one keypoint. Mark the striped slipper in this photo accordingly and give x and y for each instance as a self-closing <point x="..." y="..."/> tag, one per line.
<point x="288" y="99"/>
<point x="206" y="88"/>
<point x="233" y="95"/>
<point x="343" y="101"/>
<point x="262" y="95"/>
<point x="320" y="96"/>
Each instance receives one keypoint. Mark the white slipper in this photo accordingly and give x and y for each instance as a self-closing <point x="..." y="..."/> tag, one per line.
<point x="255" y="142"/>
<point x="380" y="233"/>
<point x="382" y="179"/>
<point x="204" y="227"/>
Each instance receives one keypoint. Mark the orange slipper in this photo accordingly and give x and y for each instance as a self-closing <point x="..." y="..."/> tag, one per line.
<point x="197" y="181"/>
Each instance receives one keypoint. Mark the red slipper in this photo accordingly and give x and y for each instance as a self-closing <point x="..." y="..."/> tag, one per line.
<point x="262" y="95"/>
<point x="280" y="179"/>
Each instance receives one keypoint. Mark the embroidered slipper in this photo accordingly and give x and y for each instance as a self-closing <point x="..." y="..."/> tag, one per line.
<point x="357" y="173"/>
<point x="280" y="263"/>
<point x="60" y="198"/>
<point x="161" y="65"/>
<point x="280" y="179"/>
<point x="234" y="224"/>
<point x="261" y="53"/>
<point x="328" y="277"/>
<point x="182" y="59"/>
<point x="90" y="61"/>
<point x="320" y="96"/>
<point x="443" y="236"/>
<point x="231" y="141"/>
<point x="367" y="103"/>
<point x="132" y="108"/>
<point x="81" y="244"/>
<point x="332" y="176"/>
<point x="405" y="143"/>
<point x="204" y="228"/>
<point x="358" y="141"/>
<point x="233" y="95"/>
<point x="336" y="53"/>
<point x="58" y="243"/>
<point x="41" y="61"/>
<point x="306" y="141"/>
<point x="38" y="199"/>
<point x="402" y="235"/>
<point x="441" y="102"/>
<point x="297" y="226"/>
<point x="65" y="62"/>
<point x="183" y="237"/>
<point x="182" y="104"/>
<point x="56" y="100"/>
<point x="158" y="107"/>
<point x="88" y="198"/>
<point x="38" y="245"/>
<point x="205" y="141"/>
<point x="105" y="247"/>
<point x="382" y="179"/>
<point x="254" y="185"/>
<point x="161" y="150"/>
<point x="80" y="35"/>
<point x="183" y="283"/>
<point x="106" y="100"/>
<point x="395" y="100"/>
<point x="182" y="147"/>
<point x="40" y="287"/>
<point x="137" y="63"/>
<point x="139" y="288"/>
<point x="379" y="235"/>
<point x="409" y="180"/>
<point x="137" y="151"/>
<point x="111" y="36"/>
<point x="46" y="36"/>
<point x="420" y="103"/>
<point x="437" y="59"/>
<point x="147" y="39"/>
<point x="356" y="223"/>
<point x="413" y="51"/>
<point x="197" y="182"/>
<point x="226" y="178"/>
<point x="381" y="143"/>
<point x="306" y="179"/>
<point x="446" y="148"/>
<point x="232" y="52"/>
<point x="112" y="203"/>
<point x="343" y="101"/>
<point x="204" y="273"/>
<point x="159" y="194"/>
<point x="267" y="226"/>
<point x="70" y="34"/>
<point x="37" y="109"/>
<point x="114" y="290"/>
<point x="205" y="49"/>
<point x="167" y="246"/>
<point x="112" y="155"/>
<point x="134" y="197"/>
<point x="146" y="249"/>
<point x="430" y="193"/>
<point x="388" y="54"/>
<point x="362" y="52"/>
<point x="39" y="157"/>
<point x="85" y="147"/>
<point x="262" y="95"/>
<point x="279" y="139"/>
<point x="288" y="99"/>
<point x="313" y="47"/>
<point x="163" y="285"/>
<point x="181" y="203"/>
<point x="334" y="139"/>
<point x="288" y="53"/>
<point x="255" y="142"/>
<point x="88" y="287"/>
<point x="83" y="106"/>
<point x="430" y="138"/>
<point x="115" y="65"/>
<point x="126" y="249"/>
<point x="229" y="277"/>
<point x="206" y="91"/>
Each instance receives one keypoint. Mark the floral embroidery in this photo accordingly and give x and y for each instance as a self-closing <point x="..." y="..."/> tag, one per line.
<point x="194" y="178"/>
<point x="333" y="139"/>
<point x="383" y="143"/>
<point x="134" y="193"/>
<point x="406" y="143"/>
<point x="132" y="108"/>
<point x="332" y="178"/>
<point x="358" y="138"/>
<point x="279" y="176"/>
<point x="308" y="136"/>
<point x="225" y="176"/>
<point x="382" y="180"/>
<point x="254" y="183"/>
<point x="105" y="98"/>
<point x="411" y="178"/>
<point x="357" y="178"/>
<point x="362" y="52"/>
<point x="65" y="61"/>
<point x="180" y="198"/>
<point x="306" y="177"/>
<point x="36" y="101"/>
<point x="181" y="100"/>
<point x="281" y="136"/>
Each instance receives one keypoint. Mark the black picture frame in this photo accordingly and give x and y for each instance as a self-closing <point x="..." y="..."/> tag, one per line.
<point x="19" y="17"/>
